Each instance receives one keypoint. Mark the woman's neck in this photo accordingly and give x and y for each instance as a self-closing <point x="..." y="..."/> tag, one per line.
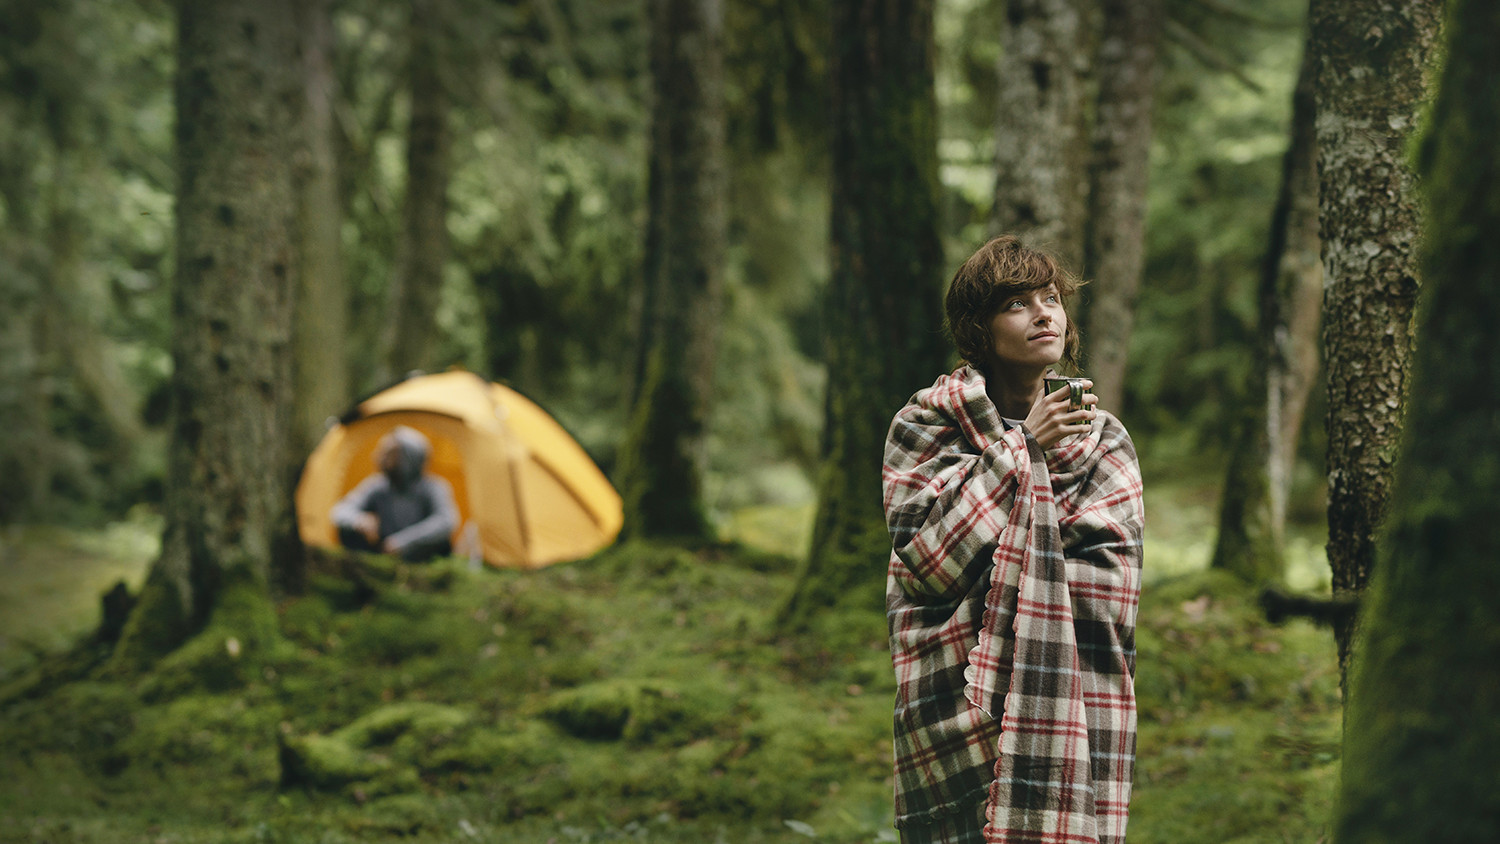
<point x="1012" y="391"/>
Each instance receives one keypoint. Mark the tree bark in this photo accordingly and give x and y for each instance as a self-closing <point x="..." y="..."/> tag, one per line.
<point x="238" y="97"/>
<point x="883" y="308"/>
<point x="1420" y="754"/>
<point x="661" y="460"/>
<point x="322" y="318"/>
<point x="1252" y="516"/>
<point x="1372" y="67"/>
<point x="1041" y="129"/>
<point x="422" y="251"/>
<point x="1115" y="249"/>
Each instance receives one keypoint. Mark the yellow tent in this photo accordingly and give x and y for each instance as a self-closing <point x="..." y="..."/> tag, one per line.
<point x="527" y="494"/>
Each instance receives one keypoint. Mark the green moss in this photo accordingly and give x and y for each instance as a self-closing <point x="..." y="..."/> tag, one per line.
<point x="240" y="736"/>
<point x="241" y="639"/>
<point x="381" y="752"/>
<point x="156" y="626"/>
<point x="635" y="710"/>
<point x="328" y="762"/>
<point x="695" y="710"/>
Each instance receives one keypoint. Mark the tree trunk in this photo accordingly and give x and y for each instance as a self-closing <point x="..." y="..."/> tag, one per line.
<point x="661" y="460"/>
<point x="322" y="371"/>
<point x="417" y="283"/>
<point x="237" y="97"/>
<point x="1421" y="754"/>
<point x="883" y="308"/>
<point x="1115" y="248"/>
<point x="1373" y="62"/>
<point x="1041" y="188"/>
<point x="1252" y="516"/>
<point x="1299" y="294"/>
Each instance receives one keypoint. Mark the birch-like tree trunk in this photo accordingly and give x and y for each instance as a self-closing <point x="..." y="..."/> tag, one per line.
<point x="423" y="245"/>
<point x="883" y="323"/>
<point x="1373" y="63"/>
<point x="1115" y="248"/>
<point x="1421" y="750"/>
<point x="1252" y="516"/>
<point x="1041" y="125"/>
<point x="662" y="458"/>
<point x="238" y="97"/>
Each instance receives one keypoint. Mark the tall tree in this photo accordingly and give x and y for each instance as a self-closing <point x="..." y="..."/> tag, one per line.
<point x="1252" y="515"/>
<point x="1041" y="126"/>
<point x="322" y="370"/>
<point x="1421" y="757"/>
<point x="1115" y="248"/>
<point x="882" y="315"/>
<point x="238" y="96"/>
<point x="422" y="250"/>
<point x="661" y="461"/>
<point x="1373" y="61"/>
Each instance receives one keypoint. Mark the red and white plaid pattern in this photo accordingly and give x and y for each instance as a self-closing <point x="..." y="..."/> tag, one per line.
<point x="1012" y="591"/>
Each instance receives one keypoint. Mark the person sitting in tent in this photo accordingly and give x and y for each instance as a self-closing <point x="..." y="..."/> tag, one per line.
<point x="401" y="509"/>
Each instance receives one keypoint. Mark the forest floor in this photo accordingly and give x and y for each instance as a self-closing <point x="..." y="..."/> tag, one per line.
<point x="640" y="695"/>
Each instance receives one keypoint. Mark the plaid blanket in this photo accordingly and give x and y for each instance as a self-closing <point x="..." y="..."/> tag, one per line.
<point x="1011" y="597"/>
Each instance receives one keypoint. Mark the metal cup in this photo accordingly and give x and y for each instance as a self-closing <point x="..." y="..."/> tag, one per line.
<point x="1074" y="385"/>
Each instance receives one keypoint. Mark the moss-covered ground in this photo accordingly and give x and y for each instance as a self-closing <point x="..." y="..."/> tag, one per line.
<point x="637" y="696"/>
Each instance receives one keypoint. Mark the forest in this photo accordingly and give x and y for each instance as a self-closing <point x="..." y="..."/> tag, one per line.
<point x="710" y="239"/>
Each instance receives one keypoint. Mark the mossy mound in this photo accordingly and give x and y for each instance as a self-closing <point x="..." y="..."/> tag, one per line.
<point x="636" y="711"/>
<point x="383" y="752"/>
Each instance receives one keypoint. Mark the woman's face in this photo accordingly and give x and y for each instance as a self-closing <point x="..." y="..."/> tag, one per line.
<point x="1029" y="331"/>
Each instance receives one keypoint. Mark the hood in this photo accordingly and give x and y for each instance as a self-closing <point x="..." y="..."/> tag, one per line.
<point x="411" y="456"/>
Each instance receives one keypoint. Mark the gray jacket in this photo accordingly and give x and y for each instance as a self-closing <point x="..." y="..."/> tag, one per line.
<point x="415" y="508"/>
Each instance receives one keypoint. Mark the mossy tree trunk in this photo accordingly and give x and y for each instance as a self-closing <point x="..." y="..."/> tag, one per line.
<point x="662" y="457"/>
<point x="423" y="244"/>
<point x="1115" y="247"/>
<point x="1373" y="61"/>
<point x="1421" y="745"/>
<point x="238" y="97"/>
<point x="882" y="318"/>
<point x="322" y="318"/>
<point x="1252" y="515"/>
<point x="1041" y="189"/>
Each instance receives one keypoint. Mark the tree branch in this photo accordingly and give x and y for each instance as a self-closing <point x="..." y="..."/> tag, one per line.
<point x="1279" y="606"/>
<point x="1205" y="53"/>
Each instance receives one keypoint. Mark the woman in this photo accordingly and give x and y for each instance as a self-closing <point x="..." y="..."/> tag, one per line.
<point x="1016" y="526"/>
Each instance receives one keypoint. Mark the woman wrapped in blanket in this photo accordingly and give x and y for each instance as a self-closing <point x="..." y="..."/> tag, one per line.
<point x="1016" y="524"/>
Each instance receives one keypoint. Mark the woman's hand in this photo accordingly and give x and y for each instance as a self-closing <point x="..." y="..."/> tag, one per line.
<point x="1051" y="419"/>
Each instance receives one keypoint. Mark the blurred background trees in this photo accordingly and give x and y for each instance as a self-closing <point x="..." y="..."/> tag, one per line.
<point x="679" y="301"/>
<point x="510" y="173"/>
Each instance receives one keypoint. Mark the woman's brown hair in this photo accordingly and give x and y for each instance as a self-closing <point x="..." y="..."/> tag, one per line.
<point x="1000" y="269"/>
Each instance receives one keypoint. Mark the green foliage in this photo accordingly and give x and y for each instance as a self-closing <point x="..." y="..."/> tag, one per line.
<point x="85" y="213"/>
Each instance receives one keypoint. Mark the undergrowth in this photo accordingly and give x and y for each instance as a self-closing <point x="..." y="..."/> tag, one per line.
<point x="640" y="695"/>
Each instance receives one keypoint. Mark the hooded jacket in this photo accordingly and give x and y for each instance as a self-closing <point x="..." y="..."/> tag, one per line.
<point x="415" y="508"/>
